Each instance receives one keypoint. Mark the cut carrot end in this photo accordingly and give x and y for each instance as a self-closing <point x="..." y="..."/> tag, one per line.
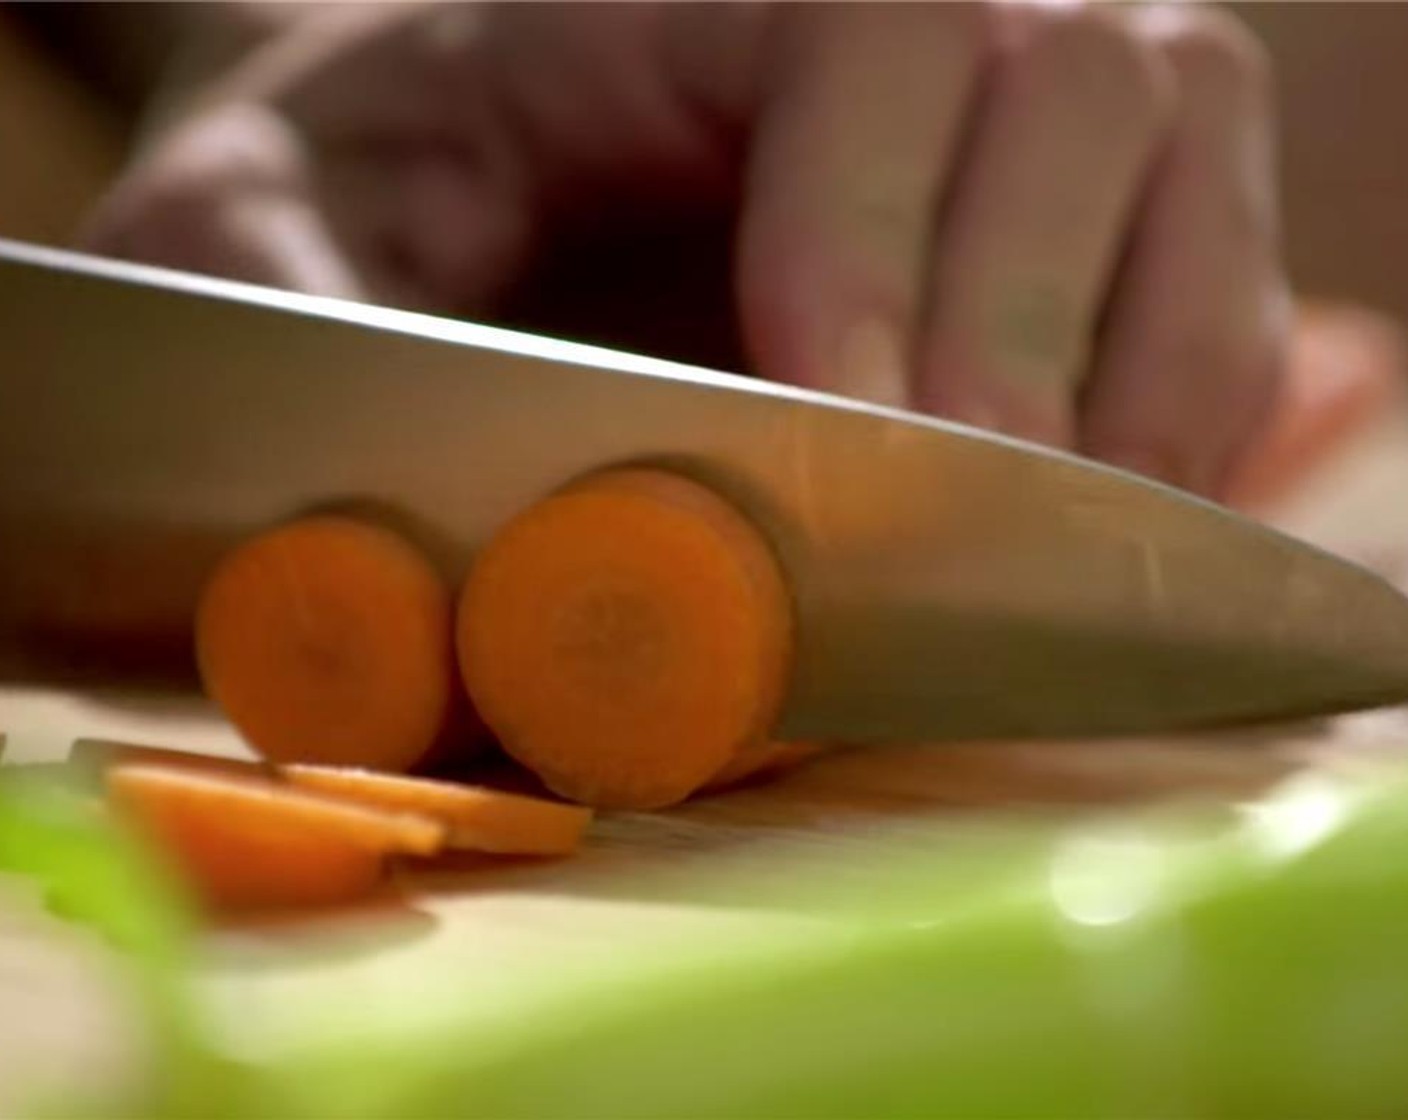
<point x="625" y="637"/>
<point x="1347" y="366"/>
<point x="330" y="640"/>
<point x="251" y="844"/>
<point x="478" y="819"/>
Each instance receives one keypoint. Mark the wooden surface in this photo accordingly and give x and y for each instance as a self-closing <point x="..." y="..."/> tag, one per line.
<point x="481" y="918"/>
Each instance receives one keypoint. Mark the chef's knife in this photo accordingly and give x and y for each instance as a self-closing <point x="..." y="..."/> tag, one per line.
<point x="949" y="583"/>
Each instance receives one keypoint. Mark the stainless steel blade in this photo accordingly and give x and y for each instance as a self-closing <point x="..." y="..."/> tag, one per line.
<point x="949" y="584"/>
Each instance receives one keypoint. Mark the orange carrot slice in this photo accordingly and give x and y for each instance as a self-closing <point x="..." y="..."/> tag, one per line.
<point x="252" y="844"/>
<point x="102" y="754"/>
<point x="625" y="637"/>
<point x="1346" y="366"/>
<point x="330" y="640"/>
<point x="479" y="819"/>
<point x="767" y="759"/>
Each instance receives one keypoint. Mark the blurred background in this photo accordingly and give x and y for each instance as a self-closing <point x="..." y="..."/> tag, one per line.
<point x="1340" y="68"/>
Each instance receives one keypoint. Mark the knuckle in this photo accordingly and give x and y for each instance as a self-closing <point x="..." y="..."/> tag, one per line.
<point x="1107" y="56"/>
<point x="181" y="186"/>
<point x="141" y="211"/>
<point x="1215" y="50"/>
<point x="175" y="200"/>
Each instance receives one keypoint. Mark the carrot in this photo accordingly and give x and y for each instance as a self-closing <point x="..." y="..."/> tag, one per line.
<point x="330" y="639"/>
<point x="1346" y="366"/>
<point x="625" y="637"/>
<point x="767" y="759"/>
<point x="480" y="819"/>
<point x="103" y="754"/>
<point x="252" y="844"/>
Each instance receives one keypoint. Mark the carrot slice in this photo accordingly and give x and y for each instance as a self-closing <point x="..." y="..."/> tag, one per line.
<point x="330" y="640"/>
<point x="1346" y="366"/>
<point x="769" y="758"/>
<point x="102" y="754"/>
<point x="626" y="636"/>
<point x="483" y="820"/>
<point x="252" y="844"/>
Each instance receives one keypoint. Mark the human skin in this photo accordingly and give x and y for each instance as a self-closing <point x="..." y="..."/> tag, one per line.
<point x="1054" y="221"/>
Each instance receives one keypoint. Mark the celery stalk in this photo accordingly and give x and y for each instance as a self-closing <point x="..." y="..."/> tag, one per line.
<point x="1150" y="965"/>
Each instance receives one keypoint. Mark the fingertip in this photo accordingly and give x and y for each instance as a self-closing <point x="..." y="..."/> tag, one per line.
<point x="1012" y="368"/>
<point x="871" y="364"/>
<point x="1041" y="418"/>
<point x="814" y="317"/>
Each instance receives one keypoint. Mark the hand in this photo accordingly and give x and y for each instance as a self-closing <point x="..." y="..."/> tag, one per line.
<point x="1055" y="221"/>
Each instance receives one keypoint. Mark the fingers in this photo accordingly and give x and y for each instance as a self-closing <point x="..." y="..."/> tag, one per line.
<point x="227" y="196"/>
<point x="1191" y="353"/>
<point x="858" y="125"/>
<point x="1077" y="105"/>
<point x="1058" y="221"/>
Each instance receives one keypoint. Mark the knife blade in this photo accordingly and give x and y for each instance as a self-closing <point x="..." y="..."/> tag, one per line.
<point x="949" y="583"/>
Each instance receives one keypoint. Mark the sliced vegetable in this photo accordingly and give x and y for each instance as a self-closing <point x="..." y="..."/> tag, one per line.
<point x="249" y="843"/>
<point x="330" y="640"/>
<point x="625" y="637"/>
<point x="484" y="820"/>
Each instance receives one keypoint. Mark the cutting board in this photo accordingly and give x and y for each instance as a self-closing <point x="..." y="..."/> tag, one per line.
<point x="480" y="917"/>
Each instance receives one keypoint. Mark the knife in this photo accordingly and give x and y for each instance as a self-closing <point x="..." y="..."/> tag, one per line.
<point x="949" y="583"/>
